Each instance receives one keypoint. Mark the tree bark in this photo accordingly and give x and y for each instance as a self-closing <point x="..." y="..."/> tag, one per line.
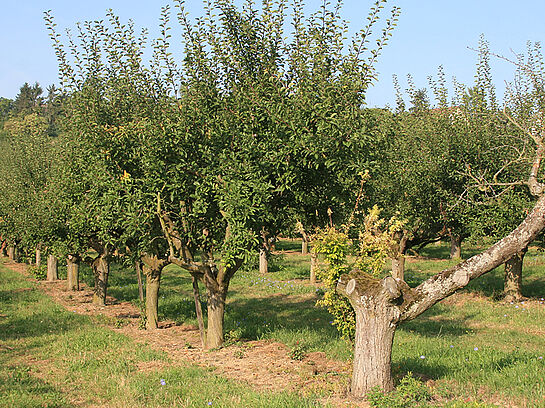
<point x="377" y="317"/>
<point x="216" y="312"/>
<point x="455" y="246"/>
<point x="101" y="271"/>
<point x="72" y="273"/>
<point x="263" y="261"/>
<point x="373" y="352"/>
<point x="138" y="268"/>
<point x="152" y="267"/>
<point x="11" y="253"/>
<point x="512" y="287"/>
<point x="398" y="261"/>
<point x="198" y="309"/>
<point x="304" y="246"/>
<point x="38" y="257"/>
<point x="398" y="267"/>
<point x="153" y="281"/>
<point x="52" y="268"/>
<point x="313" y="267"/>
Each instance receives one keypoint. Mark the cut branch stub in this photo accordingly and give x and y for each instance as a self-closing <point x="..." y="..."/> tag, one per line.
<point x="363" y="290"/>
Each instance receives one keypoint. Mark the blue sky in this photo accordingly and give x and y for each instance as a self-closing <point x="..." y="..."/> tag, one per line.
<point x="430" y="33"/>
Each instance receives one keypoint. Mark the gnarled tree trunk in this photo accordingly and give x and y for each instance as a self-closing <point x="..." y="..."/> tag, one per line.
<point x="512" y="288"/>
<point x="72" y="272"/>
<point x="52" y="268"/>
<point x="381" y="305"/>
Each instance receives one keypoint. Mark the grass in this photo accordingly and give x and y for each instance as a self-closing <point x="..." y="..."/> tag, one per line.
<point x="509" y="338"/>
<point x="51" y="357"/>
<point x="473" y="347"/>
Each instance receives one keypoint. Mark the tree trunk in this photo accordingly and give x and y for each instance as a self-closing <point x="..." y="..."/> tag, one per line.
<point x="138" y="268"/>
<point x="455" y="246"/>
<point x="263" y="261"/>
<point x="101" y="271"/>
<point x="377" y="316"/>
<point x="372" y="352"/>
<point x="398" y="267"/>
<point x="11" y="253"/>
<point x="152" y="266"/>
<point x="52" y="268"/>
<point x="38" y="257"/>
<point x="398" y="261"/>
<point x="153" y="281"/>
<point x="72" y="273"/>
<point x="304" y="247"/>
<point x="216" y="310"/>
<point x="313" y="267"/>
<point x="512" y="287"/>
<point x="198" y="310"/>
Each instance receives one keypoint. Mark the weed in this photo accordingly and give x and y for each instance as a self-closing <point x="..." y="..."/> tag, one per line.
<point x="409" y="393"/>
<point x="119" y="323"/>
<point x="39" y="272"/>
<point x="298" y="352"/>
<point x="233" y="336"/>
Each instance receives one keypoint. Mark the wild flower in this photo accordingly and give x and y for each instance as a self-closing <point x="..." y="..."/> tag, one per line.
<point x="422" y="357"/>
<point x="476" y="349"/>
<point x="163" y="382"/>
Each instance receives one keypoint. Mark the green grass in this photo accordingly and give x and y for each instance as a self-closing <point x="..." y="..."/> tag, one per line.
<point x="475" y="348"/>
<point x="509" y="338"/>
<point x="51" y="357"/>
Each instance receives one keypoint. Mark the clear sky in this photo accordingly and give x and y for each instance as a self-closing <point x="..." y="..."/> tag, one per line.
<point x="430" y="33"/>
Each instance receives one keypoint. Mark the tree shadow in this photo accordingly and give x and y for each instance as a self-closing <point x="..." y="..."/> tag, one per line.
<point x="256" y="316"/>
<point x="31" y="391"/>
<point x="427" y="327"/>
<point x="37" y="324"/>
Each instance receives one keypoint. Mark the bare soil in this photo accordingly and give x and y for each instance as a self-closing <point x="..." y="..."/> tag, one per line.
<point x="263" y="365"/>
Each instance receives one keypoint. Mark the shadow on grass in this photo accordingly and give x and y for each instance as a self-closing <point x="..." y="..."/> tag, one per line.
<point x="437" y="327"/>
<point x="37" y="324"/>
<point x="19" y="388"/>
<point x="288" y="245"/>
<point x="443" y="251"/>
<point x="257" y="316"/>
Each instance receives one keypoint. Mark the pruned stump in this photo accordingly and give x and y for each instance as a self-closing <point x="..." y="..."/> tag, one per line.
<point x="376" y="303"/>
